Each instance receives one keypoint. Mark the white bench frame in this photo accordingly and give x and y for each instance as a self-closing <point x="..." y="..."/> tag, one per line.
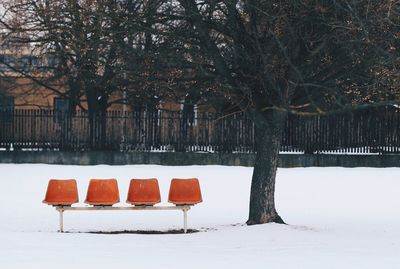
<point x="62" y="209"/>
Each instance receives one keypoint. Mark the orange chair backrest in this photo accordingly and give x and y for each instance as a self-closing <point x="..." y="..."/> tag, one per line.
<point x="61" y="192"/>
<point x="102" y="192"/>
<point x="185" y="191"/>
<point x="143" y="192"/>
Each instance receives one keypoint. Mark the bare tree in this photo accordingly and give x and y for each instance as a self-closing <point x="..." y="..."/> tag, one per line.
<point x="272" y="58"/>
<point x="81" y="38"/>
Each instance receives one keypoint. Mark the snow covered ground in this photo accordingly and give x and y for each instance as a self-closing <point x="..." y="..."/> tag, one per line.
<point x="338" y="218"/>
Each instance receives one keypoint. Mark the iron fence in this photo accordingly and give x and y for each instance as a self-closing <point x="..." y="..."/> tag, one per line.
<point x="35" y="129"/>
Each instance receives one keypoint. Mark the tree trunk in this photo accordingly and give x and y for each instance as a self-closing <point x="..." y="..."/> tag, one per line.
<point x="268" y="141"/>
<point x="97" y="108"/>
<point x="92" y="129"/>
<point x="98" y="129"/>
<point x="66" y="131"/>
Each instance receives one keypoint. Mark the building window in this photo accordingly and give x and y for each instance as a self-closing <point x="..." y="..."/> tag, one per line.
<point x="5" y="63"/>
<point x="6" y="108"/>
<point x="189" y="113"/>
<point x="195" y="111"/>
<point x="61" y="109"/>
<point x="52" y="61"/>
<point x="6" y="102"/>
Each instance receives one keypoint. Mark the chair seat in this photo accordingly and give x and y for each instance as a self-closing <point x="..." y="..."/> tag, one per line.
<point x="145" y="192"/>
<point x="61" y="192"/>
<point x="185" y="191"/>
<point x="102" y="192"/>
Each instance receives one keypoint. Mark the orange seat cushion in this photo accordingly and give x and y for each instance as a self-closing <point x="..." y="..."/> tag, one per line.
<point x="144" y="192"/>
<point x="61" y="192"/>
<point x="102" y="192"/>
<point x="185" y="191"/>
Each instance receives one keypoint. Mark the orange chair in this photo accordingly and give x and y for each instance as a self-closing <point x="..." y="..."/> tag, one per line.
<point x="185" y="191"/>
<point x="61" y="192"/>
<point x="102" y="192"/>
<point x="144" y="192"/>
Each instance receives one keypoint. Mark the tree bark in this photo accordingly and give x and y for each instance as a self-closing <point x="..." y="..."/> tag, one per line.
<point x="268" y="130"/>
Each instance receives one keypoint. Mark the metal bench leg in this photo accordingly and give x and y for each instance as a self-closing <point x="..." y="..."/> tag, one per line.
<point x="184" y="220"/>
<point x="61" y="220"/>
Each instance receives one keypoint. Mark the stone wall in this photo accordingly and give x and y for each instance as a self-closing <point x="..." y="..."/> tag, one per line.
<point x="177" y="158"/>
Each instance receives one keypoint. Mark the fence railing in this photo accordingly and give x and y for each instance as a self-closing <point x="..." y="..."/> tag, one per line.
<point x="359" y="132"/>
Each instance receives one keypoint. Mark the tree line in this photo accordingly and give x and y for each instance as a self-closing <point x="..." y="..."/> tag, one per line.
<point x="265" y="58"/>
